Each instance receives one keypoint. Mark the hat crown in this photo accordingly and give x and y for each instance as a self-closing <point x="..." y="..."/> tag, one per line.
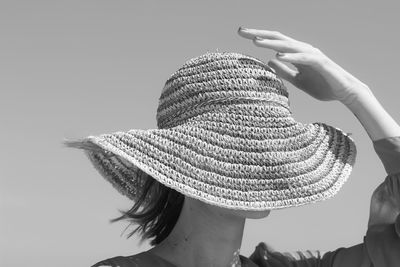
<point x="218" y="80"/>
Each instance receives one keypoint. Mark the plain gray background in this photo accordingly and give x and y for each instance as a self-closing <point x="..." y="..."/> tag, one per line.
<point x="75" y="68"/>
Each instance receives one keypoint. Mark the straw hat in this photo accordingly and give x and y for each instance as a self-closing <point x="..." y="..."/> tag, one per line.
<point x="226" y="137"/>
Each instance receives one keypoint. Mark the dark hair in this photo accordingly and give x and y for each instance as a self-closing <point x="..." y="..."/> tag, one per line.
<point x="156" y="217"/>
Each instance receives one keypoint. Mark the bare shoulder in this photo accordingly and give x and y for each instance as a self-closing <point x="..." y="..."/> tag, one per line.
<point x="117" y="261"/>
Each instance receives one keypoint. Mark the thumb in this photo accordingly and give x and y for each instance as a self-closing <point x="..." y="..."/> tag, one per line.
<point x="283" y="70"/>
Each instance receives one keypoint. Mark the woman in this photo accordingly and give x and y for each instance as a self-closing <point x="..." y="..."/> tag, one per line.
<point x="247" y="156"/>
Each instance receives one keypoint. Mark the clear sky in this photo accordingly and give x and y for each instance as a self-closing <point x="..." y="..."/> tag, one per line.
<point x="71" y="68"/>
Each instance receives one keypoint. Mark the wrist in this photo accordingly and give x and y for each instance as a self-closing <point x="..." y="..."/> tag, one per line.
<point x="361" y="96"/>
<point x="372" y="115"/>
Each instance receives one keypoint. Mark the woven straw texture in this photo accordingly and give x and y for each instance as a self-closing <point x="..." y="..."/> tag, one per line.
<point x="226" y="136"/>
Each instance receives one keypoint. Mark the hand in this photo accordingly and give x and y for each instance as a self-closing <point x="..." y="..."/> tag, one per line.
<point x="315" y="73"/>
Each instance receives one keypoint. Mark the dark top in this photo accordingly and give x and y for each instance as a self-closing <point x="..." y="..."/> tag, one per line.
<point x="380" y="247"/>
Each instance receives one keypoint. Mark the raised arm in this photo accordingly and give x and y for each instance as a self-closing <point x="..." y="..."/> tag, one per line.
<point x="373" y="117"/>
<point x="323" y="79"/>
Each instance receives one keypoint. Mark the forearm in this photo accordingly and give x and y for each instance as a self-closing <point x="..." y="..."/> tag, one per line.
<point x="373" y="117"/>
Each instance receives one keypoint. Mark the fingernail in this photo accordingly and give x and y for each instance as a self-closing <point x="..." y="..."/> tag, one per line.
<point x="279" y="54"/>
<point x="257" y="38"/>
<point x="270" y="68"/>
<point x="243" y="29"/>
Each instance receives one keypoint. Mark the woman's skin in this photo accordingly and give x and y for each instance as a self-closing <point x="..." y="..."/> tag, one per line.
<point x="206" y="235"/>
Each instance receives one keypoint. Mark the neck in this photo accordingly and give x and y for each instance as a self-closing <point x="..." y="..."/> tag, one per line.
<point x="204" y="235"/>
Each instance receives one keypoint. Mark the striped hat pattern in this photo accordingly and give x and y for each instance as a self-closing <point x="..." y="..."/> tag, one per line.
<point x="226" y="136"/>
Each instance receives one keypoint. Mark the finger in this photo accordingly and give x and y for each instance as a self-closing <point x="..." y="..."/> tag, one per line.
<point x="283" y="70"/>
<point x="277" y="45"/>
<point x="251" y="33"/>
<point x="299" y="58"/>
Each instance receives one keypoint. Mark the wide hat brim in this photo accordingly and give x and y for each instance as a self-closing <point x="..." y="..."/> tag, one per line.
<point x="270" y="163"/>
